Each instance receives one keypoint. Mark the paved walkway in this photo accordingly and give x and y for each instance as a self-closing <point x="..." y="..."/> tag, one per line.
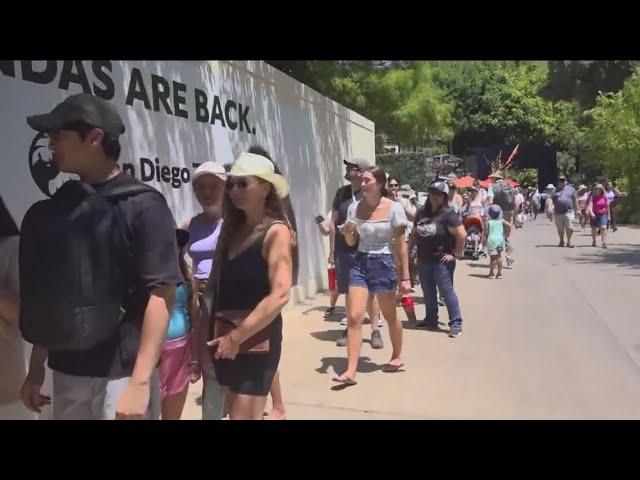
<point x="557" y="337"/>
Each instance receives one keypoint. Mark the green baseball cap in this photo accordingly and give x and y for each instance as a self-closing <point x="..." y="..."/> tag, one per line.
<point x="81" y="108"/>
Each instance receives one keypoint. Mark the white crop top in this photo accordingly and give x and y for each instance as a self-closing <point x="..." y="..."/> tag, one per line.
<point x="375" y="235"/>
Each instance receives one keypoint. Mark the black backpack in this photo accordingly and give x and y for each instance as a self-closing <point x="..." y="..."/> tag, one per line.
<point x="504" y="195"/>
<point x="75" y="275"/>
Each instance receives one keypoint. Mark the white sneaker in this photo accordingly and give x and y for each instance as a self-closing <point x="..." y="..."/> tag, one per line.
<point x="343" y="322"/>
<point x="380" y="322"/>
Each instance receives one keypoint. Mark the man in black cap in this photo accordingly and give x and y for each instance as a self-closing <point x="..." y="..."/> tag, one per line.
<point x="342" y="255"/>
<point x="113" y="379"/>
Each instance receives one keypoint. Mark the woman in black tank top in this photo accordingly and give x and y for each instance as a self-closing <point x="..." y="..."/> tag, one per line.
<point x="252" y="273"/>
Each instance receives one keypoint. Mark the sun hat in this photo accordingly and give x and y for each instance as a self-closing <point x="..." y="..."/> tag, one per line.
<point x="252" y="165"/>
<point x="210" y="168"/>
<point x="551" y="186"/>
<point x="495" y="211"/>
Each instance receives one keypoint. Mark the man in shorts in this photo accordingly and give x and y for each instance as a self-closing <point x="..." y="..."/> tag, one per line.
<point x="565" y="203"/>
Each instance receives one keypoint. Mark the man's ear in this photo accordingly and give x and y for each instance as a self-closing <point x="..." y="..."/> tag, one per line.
<point x="95" y="136"/>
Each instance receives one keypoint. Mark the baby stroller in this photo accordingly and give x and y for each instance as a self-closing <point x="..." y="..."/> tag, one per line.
<point x="473" y="244"/>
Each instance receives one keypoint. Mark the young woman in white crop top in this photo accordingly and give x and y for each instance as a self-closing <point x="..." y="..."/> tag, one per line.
<point x="372" y="223"/>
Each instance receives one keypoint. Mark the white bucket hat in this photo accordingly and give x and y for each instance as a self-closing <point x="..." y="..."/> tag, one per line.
<point x="252" y="165"/>
<point x="551" y="186"/>
<point x="210" y="168"/>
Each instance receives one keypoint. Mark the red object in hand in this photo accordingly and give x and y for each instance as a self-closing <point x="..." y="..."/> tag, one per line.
<point x="332" y="278"/>
<point x="407" y="304"/>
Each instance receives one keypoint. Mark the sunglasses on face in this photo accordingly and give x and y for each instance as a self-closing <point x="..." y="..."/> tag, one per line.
<point x="394" y="185"/>
<point x="239" y="182"/>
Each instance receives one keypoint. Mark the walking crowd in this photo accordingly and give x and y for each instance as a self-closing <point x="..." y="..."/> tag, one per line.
<point x="129" y="309"/>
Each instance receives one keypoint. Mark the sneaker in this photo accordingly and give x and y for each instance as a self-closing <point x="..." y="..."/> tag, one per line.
<point x="491" y="275"/>
<point x="380" y="322"/>
<point x="498" y="276"/>
<point x="376" y="340"/>
<point x="561" y="244"/>
<point x="330" y="311"/>
<point x="455" y="331"/>
<point x="342" y="341"/>
<point x="343" y="322"/>
<point x="441" y="302"/>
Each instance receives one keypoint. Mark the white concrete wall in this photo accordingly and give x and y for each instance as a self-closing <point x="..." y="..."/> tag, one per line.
<point x="307" y="134"/>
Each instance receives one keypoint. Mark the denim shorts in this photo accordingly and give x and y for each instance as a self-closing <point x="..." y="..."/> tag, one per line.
<point x="374" y="271"/>
<point x="601" y="220"/>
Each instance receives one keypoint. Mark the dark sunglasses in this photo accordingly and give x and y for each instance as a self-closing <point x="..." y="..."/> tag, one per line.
<point x="240" y="183"/>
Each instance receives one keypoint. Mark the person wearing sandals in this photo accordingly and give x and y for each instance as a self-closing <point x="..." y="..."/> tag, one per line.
<point x="250" y="284"/>
<point x="204" y="231"/>
<point x="599" y="213"/>
<point x="440" y="237"/>
<point x="371" y="223"/>
<point x="342" y="256"/>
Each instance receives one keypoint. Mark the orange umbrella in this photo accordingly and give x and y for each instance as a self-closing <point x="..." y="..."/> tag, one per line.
<point x="464" y="182"/>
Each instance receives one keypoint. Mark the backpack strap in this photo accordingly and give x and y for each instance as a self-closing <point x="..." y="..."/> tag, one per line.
<point x="130" y="190"/>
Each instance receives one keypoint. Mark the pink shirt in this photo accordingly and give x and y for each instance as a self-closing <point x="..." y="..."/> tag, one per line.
<point x="600" y="204"/>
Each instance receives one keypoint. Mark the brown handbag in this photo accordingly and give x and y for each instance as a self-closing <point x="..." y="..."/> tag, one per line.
<point x="228" y="320"/>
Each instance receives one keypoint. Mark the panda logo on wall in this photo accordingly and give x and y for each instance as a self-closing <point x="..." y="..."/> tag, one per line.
<point x="42" y="166"/>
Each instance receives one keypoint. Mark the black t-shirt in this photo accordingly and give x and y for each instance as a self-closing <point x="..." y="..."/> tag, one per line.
<point x="151" y="239"/>
<point x="433" y="236"/>
<point x="343" y="199"/>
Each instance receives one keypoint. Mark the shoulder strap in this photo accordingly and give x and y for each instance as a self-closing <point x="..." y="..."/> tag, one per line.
<point x="130" y="190"/>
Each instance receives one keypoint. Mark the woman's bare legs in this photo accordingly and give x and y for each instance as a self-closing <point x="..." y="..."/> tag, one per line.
<point x="356" y="306"/>
<point x="333" y="298"/>
<point x="247" y="407"/>
<point x="387" y="301"/>
<point x="278" y="411"/>
<point x="373" y="309"/>
<point x="173" y="405"/>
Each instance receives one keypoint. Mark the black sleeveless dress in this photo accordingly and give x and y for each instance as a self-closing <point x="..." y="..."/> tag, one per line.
<point x="244" y="282"/>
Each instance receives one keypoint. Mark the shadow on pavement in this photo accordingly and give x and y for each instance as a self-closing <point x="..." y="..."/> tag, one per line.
<point x="622" y="258"/>
<point x="479" y="275"/>
<point x="479" y="265"/>
<point x="548" y="246"/>
<point x="410" y="326"/>
<point x="339" y="365"/>
<point x="321" y="309"/>
<point x="327" y="335"/>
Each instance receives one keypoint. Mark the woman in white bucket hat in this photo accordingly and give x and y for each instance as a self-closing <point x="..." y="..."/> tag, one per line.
<point x="250" y="284"/>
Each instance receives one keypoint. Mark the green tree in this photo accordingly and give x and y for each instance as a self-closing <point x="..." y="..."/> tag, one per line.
<point x="583" y="80"/>
<point x="612" y="138"/>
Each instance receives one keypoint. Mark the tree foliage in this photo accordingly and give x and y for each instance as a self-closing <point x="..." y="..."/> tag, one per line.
<point x="588" y="110"/>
